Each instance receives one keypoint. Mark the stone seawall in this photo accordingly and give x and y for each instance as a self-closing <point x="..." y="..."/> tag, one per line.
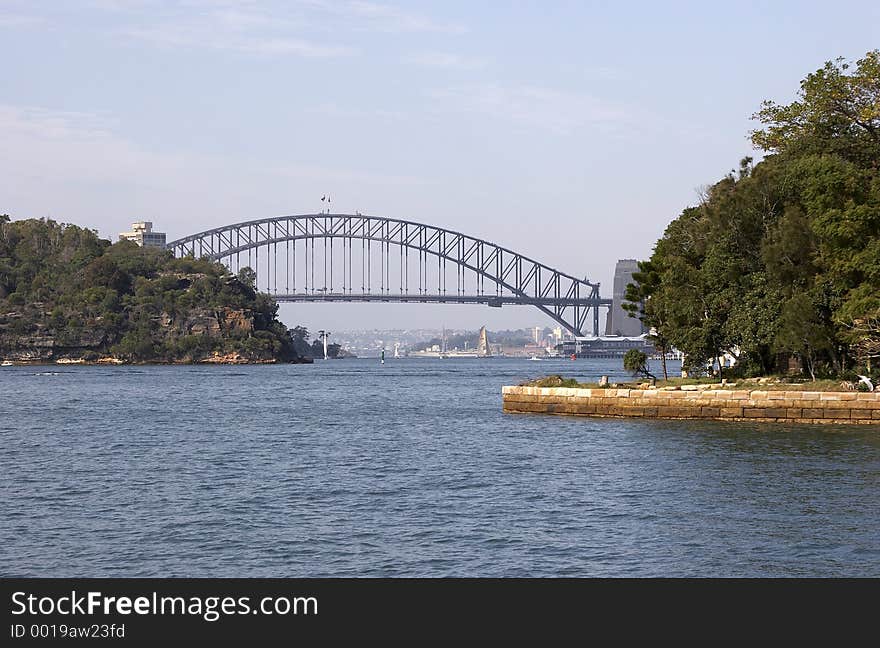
<point x="715" y="404"/>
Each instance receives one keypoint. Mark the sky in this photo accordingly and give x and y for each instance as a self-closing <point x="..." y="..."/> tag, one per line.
<point x="571" y="132"/>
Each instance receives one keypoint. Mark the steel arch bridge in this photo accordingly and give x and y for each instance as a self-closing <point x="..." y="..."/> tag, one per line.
<point x="484" y="273"/>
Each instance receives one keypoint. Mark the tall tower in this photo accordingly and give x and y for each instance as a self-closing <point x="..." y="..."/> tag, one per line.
<point x="620" y="323"/>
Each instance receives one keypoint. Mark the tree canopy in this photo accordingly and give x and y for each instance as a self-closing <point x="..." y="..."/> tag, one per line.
<point x="63" y="283"/>
<point x="782" y="257"/>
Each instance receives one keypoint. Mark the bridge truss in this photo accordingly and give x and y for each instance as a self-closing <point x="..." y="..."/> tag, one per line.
<point x="358" y="258"/>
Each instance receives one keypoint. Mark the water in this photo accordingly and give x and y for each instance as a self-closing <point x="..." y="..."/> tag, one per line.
<point x="349" y="468"/>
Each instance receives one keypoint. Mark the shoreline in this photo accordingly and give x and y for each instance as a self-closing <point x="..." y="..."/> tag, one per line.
<point x="768" y="406"/>
<point x="157" y="363"/>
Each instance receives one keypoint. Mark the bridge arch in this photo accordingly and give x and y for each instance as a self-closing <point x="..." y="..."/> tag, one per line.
<point x="483" y="271"/>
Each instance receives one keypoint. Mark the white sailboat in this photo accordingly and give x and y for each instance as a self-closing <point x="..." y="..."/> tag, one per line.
<point x="443" y="352"/>
<point x="482" y="350"/>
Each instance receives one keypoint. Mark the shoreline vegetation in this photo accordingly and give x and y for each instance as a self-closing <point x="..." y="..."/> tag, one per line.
<point x="768" y="383"/>
<point x="776" y="272"/>
<point x="69" y="297"/>
<point x="110" y="361"/>
<point x="777" y="269"/>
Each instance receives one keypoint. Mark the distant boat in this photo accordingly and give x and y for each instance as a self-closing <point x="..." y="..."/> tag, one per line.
<point x="444" y="353"/>
<point x="6" y="363"/>
<point x="536" y="358"/>
<point x="483" y="344"/>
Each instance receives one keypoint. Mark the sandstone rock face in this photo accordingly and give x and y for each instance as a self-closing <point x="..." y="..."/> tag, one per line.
<point x="216" y="323"/>
<point x="43" y="345"/>
<point x="233" y="358"/>
<point x="71" y="301"/>
<point x="238" y="321"/>
<point x="201" y="322"/>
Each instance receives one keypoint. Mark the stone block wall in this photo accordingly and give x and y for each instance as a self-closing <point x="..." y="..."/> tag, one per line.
<point x="715" y="404"/>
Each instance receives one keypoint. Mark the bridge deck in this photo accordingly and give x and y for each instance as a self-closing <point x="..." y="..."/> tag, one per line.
<point x="491" y="300"/>
<point x="331" y="256"/>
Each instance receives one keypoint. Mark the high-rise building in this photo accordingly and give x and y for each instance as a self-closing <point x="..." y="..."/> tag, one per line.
<point x="142" y="233"/>
<point x="619" y="322"/>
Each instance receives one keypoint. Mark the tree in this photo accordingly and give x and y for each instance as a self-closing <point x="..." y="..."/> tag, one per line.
<point x="642" y="300"/>
<point x="139" y="303"/>
<point x="636" y="362"/>
<point x="248" y="277"/>
<point x="782" y="256"/>
<point x="836" y="112"/>
<point x="299" y="336"/>
<point x="802" y="332"/>
<point x="859" y="317"/>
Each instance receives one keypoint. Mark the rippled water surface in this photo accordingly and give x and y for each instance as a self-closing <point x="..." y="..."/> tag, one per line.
<point x="349" y="468"/>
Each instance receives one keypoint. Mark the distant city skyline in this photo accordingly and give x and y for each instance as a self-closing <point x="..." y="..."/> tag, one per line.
<point x="569" y="132"/>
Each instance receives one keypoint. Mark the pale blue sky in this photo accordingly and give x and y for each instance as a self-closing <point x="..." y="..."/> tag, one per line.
<point x="569" y="131"/>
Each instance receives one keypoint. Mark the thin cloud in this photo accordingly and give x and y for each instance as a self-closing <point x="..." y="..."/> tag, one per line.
<point x="261" y="18"/>
<point x="249" y="30"/>
<point x="297" y="46"/>
<point x="306" y="28"/>
<point x="18" y="20"/>
<point x="50" y="155"/>
<point x="603" y="73"/>
<point x="199" y="37"/>
<point x="45" y="124"/>
<point x="446" y="61"/>
<point x="533" y="106"/>
<point x="382" y="17"/>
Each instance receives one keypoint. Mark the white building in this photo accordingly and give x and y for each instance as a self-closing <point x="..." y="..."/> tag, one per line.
<point x="142" y="233"/>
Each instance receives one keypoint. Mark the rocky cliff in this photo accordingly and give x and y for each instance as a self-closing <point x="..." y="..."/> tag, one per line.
<point x="66" y="295"/>
<point x="25" y="338"/>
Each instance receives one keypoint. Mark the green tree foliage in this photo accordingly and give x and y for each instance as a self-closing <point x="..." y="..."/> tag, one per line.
<point x="652" y="312"/>
<point x="317" y="349"/>
<point x="142" y="304"/>
<point x="837" y="112"/>
<point x="248" y="277"/>
<point x="636" y="362"/>
<point x="299" y="336"/>
<point x="781" y="257"/>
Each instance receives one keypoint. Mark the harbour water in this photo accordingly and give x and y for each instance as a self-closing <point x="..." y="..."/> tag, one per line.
<point x="351" y="468"/>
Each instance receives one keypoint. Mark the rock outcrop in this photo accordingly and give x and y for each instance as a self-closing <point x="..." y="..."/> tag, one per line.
<point x="68" y="296"/>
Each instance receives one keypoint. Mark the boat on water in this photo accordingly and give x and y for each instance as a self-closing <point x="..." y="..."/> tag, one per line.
<point x="6" y="363"/>
<point x="441" y="351"/>
<point x="536" y="358"/>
